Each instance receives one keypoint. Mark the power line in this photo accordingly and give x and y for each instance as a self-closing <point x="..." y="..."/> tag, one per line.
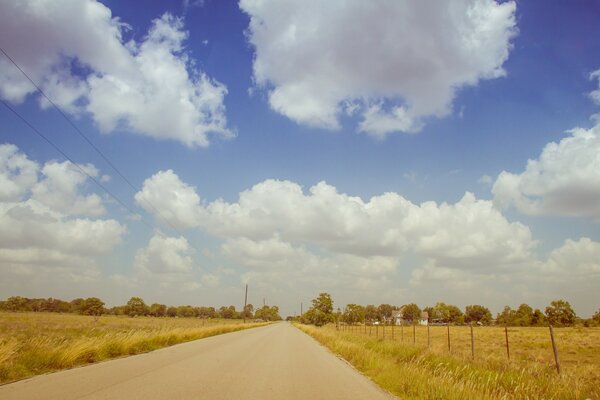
<point x="84" y="137"/>
<point x="83" y="171"/>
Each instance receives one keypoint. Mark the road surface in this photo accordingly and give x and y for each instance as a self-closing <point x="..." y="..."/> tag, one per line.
<point x="272" y="362"/>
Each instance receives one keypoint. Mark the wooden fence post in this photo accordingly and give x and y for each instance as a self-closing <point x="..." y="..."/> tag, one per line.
<point x="448" y="337"/>
<point x="376" y="331"/>
<point x="383" y="330"/>
<point x="472" y="341"/>
<point x="428" y="337"/>
<point x="414" y="333"/>
<point x="554" y="349"/>
<point x="370" y="329"/>
<point x="402" y="331"/>
<point x="392" y="332"/>
<point x="507" y="348"/>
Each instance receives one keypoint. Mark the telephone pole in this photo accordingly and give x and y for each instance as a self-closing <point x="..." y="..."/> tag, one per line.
<point x="245" y="303"/>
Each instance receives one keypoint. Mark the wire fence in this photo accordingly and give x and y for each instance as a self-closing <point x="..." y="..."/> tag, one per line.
<point x="528" y="344"/>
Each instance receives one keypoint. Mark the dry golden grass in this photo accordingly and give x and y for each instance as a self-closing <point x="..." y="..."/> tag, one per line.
<point x="37" y="343"/>
<point x="412" y="371"/>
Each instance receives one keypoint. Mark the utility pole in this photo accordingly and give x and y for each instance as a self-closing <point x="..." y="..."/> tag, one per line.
<point x="245" y="303"/>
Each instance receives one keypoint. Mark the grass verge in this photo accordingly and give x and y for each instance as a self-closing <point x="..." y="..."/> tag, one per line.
<point x="412" y="372"/>
<point x="38" y="343"/>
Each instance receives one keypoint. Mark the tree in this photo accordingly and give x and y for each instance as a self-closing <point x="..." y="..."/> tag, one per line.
<point x="506" y="317"/>
<point x="158" y="310"/>
<point x="478" y="314"/>
<point x="538" y="318"/>
<point x="171" y="311"/>
<point x="267" y="313"/>
<point x="411" y="312"/>
<point x="371" y="313"/>
<point x="17" y="303"/>
<point x="523" y="315"/>
<point x="321" y="312"/>
<point x="354" y="314"/>
<point x="560" y="313"/>
<point x="136" y="307"/>
<point x="248" y="311"/>
<point x="447" y="313"/>
<point x="92" y="306"/>
<point x="596" y="317"/>
<point x="385" y="311"/>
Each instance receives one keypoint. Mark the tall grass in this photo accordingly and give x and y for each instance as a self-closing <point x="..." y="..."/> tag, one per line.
<point x="412" y="371"/>
<point x="37" y="343"/>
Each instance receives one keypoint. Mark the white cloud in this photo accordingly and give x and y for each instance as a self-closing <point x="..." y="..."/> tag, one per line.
<point x="564" y="180"/>
<point x="170" y="200"/>
<point x="59" y="189"/>
<point x="595" y="95"/>
<point x="470" y="232"/>
<point x="164" y="256"/>
<point x="401" y="61"/>
<point x="574" y="257"/>
<point x="37" y="231"/>
<point x="17" y="173"/>
<point x="74" y="49"/>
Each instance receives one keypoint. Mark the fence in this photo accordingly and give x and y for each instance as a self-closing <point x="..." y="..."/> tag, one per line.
<point x="517" y="343"/>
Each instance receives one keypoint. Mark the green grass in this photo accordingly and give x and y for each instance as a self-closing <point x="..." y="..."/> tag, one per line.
<point x="38" y="343"/>
<point x="412" y="371"/>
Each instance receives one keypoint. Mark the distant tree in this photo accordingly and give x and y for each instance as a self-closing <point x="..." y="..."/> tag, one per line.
<point x="447" y="313"/>
<point x="137" y="307"/>
<point x="596" y="317"/>
<point x="171" y="311"/>
<point x="158" y="310"/>
<point x="411" y="312"/>
<point x="321" y="312"/>
<point x="267" y="313"/>
<point x="560" y="313"/>
<point x="92" y="306"/>
<point x="185" y="311"/>
<point x="371" y="313"/>
<point x="248" y="311"/>
<point x="207" y="312"/>
<point x="523" y="315"/>
<point x="354" y="314"/>
<point x="17" y="303"/>
<point x="76" y="305"/>
<point x="118" y="310"/>
<point x="538" y="318"/>
<point x="506" y="317"/>
<point x="385" y="312"/>
<point x="478" y="314"/>
<point x="228" y="312"/>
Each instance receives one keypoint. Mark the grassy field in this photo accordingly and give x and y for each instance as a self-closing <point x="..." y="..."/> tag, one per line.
<point x="37" y="343"/>
<point x="414" y="371"/>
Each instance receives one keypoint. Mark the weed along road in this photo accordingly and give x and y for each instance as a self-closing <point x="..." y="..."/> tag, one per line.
<point x="272" y="362"/>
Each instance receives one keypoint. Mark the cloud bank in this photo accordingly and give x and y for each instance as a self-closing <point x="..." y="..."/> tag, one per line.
<point x="393" y="63"/>
<point x="76" y="52"/>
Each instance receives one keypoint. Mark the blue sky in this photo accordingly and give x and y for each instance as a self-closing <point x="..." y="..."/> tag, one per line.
<point x="362" y="98"/>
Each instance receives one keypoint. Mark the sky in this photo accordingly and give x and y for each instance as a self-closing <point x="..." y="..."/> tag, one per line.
<point x="383" y="152"/>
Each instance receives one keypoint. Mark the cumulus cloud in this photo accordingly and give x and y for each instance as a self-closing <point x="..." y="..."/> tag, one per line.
<point x="164" y="256"/>
<point x="595" y="94"/>
<point x="37" y="231"/>
<point x="468" y="232"/>
<point x="397" y="62"/>
<point x="574" y="257"/>
<point x="563" y="181"/>
<point x="170" y="200"/>
<point x="59" y="189"/>
<point x="76" y="52"/>
<point x="17" y="173"/>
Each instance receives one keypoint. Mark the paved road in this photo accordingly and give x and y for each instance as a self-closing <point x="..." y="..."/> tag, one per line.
<point x="273" y="362"/>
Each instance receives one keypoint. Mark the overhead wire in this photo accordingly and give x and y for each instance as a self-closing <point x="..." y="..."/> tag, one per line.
<point x="83" y="136"/>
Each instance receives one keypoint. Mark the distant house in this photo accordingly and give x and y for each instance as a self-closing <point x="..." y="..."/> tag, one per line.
<point x="398" y="318"/>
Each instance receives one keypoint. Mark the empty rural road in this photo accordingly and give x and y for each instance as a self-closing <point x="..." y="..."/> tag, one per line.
<point x="273" y="362"/>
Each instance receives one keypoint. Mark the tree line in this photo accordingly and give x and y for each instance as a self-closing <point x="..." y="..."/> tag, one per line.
<point x="136" y="307"/>
<point x="557" y="313"/>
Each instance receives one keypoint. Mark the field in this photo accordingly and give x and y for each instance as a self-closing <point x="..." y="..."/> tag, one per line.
<point x="37" y="343"/>
<point x="417" y="371"/>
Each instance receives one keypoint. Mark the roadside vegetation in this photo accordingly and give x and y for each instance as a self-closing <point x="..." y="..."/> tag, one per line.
<point x="405" y="349"/>
<point x="33" y="343"/>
